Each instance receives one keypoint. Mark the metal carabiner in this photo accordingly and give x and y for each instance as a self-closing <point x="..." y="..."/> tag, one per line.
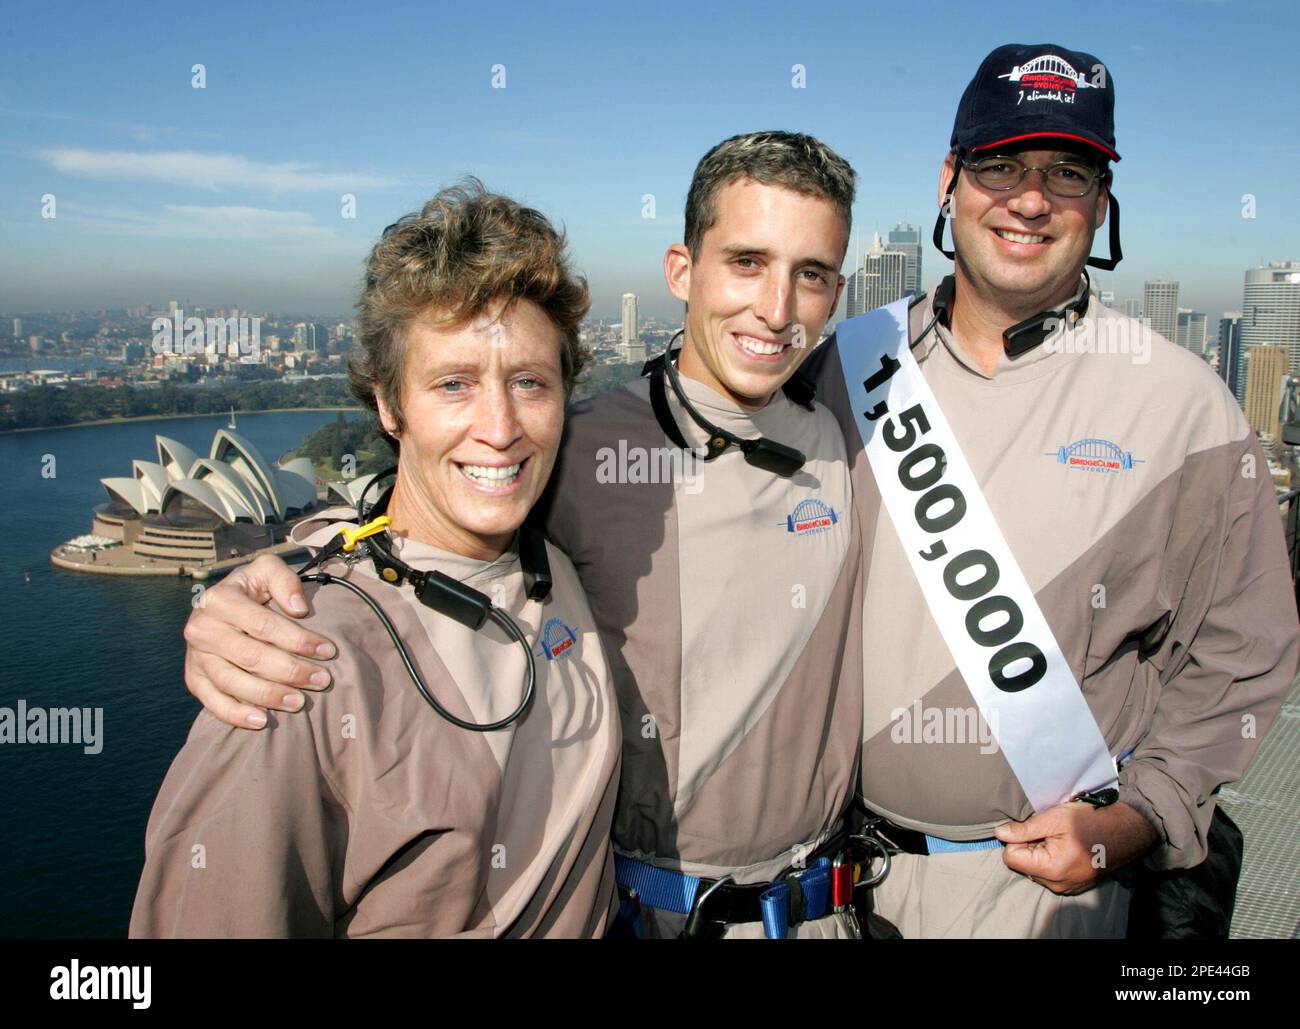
<point x="869" y="841"/>
<point x="842" y="893"/>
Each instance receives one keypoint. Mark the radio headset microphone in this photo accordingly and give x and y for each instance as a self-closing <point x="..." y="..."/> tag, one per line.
<point x="1023" y="336"/>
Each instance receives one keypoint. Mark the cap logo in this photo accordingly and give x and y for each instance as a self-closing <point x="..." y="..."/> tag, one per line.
<point x="1050" y="78"/>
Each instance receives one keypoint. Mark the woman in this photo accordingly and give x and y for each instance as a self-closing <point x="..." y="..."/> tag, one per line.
<point x="375" y="814"/>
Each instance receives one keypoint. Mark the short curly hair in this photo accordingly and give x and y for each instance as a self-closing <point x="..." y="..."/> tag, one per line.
<point x="792" y="160"/>
<point x="466" y="250"/>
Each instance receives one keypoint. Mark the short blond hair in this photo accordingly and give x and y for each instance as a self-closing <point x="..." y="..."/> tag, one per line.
<point x="465" y="251"/>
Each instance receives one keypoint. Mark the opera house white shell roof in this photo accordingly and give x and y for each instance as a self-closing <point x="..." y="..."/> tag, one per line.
<point x="234" y="481"/>
<point x="350" y="492"/>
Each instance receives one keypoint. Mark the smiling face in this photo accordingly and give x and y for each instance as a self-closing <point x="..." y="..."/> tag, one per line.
<point x="760" y="290"/>
<point x="483" y="409"/>
<point x="1024" y="246"/>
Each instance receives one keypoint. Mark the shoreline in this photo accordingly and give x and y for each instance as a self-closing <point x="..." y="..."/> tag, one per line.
<point x="75" y="561"/>
<point x="162" y="417"/>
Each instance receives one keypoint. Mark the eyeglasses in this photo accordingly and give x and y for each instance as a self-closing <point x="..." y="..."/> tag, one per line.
<point x="1064" y="178"/>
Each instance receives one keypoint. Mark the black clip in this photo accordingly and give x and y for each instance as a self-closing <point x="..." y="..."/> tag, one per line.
<point x="1098" y="798"/>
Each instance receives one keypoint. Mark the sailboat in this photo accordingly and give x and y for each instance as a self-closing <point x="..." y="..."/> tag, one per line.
<point x="232" y="424"/>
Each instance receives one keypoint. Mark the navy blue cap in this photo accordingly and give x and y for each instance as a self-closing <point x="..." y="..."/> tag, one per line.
<point x="1024" y="92"/>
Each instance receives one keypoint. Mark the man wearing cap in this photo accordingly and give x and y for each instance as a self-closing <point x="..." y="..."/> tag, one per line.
<point x="1108" y="547"/>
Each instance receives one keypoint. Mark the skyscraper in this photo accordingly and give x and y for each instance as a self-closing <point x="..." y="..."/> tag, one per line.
<point x="1132" y="307"/>
<point x="881" y="279"/>
<point x="1230" y="355"/>
<point x="1160" y="307"/>
<point x="1107" y="297"/>
<point x="632" y="348"/>
<point x="853" y="294"/>
<point x="1191" y="330"/>
<point x="1270" y="309"/>
<point x="906" y="240"/>
<point x="1198" y="331"/>
<point x="18" y="328"/>
<point x="1265" y="366"/>
<point x="630" y="334"/>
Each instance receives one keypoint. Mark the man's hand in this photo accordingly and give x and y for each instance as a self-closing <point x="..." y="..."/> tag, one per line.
<point x="1068" y="848"/>
<point x="240" y="652"/>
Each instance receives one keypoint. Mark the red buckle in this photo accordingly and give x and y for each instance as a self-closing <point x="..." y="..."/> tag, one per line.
<point x="841" y="882"/>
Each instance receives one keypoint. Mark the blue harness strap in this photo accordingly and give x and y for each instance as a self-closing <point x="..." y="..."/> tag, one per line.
<point x="815" y="882"/>
<point x="657" y="887"/>
<point x="775" y="904"/>
<point x="941" y="846"/>
<point x="673" y="891"/>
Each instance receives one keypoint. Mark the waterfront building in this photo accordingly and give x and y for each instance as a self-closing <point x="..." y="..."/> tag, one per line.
<point x="185" y="511"/>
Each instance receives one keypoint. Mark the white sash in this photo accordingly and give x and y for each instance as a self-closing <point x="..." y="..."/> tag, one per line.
<point x="979" y="598"/>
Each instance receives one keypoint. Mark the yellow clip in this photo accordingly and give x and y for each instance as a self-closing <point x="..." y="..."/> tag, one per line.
<point x="351" y="537"/>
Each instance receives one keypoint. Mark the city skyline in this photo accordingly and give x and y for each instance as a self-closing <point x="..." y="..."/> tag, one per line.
<point x="1272" y="288"/>
<point x="236" y="189"/>
<point x="1129" y="304"/>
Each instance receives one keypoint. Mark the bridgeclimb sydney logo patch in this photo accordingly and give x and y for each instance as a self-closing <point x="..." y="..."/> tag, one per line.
<point x="558" y="639"/>
<point x="1049" y="77"/>
<point x="810" y="516"/>
<point x="1094" y="455"/>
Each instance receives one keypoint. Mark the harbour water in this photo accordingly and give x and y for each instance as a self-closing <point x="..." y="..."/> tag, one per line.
<point x="72" y="832"/>
<point x="72" y="823"/>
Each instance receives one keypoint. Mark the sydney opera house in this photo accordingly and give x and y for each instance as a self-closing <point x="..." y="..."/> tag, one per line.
<point x="184" y="512"/>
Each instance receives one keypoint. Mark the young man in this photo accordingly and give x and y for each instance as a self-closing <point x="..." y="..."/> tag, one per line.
<point x="1135" y="500"/>
<point x="723" y="572"/>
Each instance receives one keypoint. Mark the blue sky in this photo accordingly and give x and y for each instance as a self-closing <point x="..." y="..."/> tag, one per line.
<point x="231" y="193"/>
